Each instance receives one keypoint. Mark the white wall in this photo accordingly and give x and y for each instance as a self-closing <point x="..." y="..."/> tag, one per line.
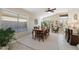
<point x="30" y="23"/>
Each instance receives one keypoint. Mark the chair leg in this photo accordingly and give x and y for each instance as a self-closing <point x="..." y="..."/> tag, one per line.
<point x="39" y="38"/>
<point x="43" y="40"/>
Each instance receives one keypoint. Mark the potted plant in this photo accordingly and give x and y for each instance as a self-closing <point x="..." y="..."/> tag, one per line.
<point x="44" y="24"/>
<point x="6" y="36"/>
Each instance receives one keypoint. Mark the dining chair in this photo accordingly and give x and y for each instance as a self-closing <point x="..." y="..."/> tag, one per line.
<point x="39" y="34"/>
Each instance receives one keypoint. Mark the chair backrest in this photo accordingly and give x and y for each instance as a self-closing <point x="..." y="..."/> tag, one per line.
<point x="36" y="27"/>
<point x="69" y="32"/>
<point x="38" y="32"/>
<point x="74" y="40"/>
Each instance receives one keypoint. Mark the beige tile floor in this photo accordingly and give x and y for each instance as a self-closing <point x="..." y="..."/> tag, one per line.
<point x="55" y="41"/>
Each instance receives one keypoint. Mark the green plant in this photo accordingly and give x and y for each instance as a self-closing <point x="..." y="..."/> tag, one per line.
<point x="44" y="24"/>
<point x="6" y="35"/>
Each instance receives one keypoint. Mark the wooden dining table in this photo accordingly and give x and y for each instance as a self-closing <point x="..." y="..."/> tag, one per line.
<point x="40" y="34"/>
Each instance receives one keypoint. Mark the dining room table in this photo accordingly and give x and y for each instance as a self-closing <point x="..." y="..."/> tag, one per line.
<point x="40" y="34"/>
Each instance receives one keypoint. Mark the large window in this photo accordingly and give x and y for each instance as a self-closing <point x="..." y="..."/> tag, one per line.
<point x="15" y="21"/>
<point x="9" y="22"/>
<point x="22" y="25"/>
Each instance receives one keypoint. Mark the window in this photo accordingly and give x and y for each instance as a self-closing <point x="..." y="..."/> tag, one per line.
<point x="22" y="25"/>
<point x="17" y="24"/>
<point x="13" y="20"/>
<point x="9" y="22"/>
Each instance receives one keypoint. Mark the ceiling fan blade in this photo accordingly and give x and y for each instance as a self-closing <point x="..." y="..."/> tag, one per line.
<point x="54" y="9"/>
<point x="47" y="11"/>
<point x="50" y="10"/>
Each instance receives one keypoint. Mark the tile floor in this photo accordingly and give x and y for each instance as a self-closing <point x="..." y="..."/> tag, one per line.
<point x="55" y="41"/>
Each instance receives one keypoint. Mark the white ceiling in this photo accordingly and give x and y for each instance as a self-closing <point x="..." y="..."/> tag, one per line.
<point x="40" y="12"/>
<point x="36" y="11"/>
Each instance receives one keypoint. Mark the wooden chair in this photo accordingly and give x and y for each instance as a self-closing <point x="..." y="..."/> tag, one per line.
<point x="56" y="31"/>
<point x="39" y="34"/>
<point x="48" y="30"/>
<point x="68" y="34"/>
<point x="71" y="39"/>
<point x="45" y="33"/>
<point x="74" y="40"/>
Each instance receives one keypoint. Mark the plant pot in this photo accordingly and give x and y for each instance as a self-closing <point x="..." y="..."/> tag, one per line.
<point x="4" y="48"/>
<point x="11" y="44"/>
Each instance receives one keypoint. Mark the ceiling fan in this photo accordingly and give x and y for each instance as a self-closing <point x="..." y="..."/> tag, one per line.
<point x="50" y="10"/>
